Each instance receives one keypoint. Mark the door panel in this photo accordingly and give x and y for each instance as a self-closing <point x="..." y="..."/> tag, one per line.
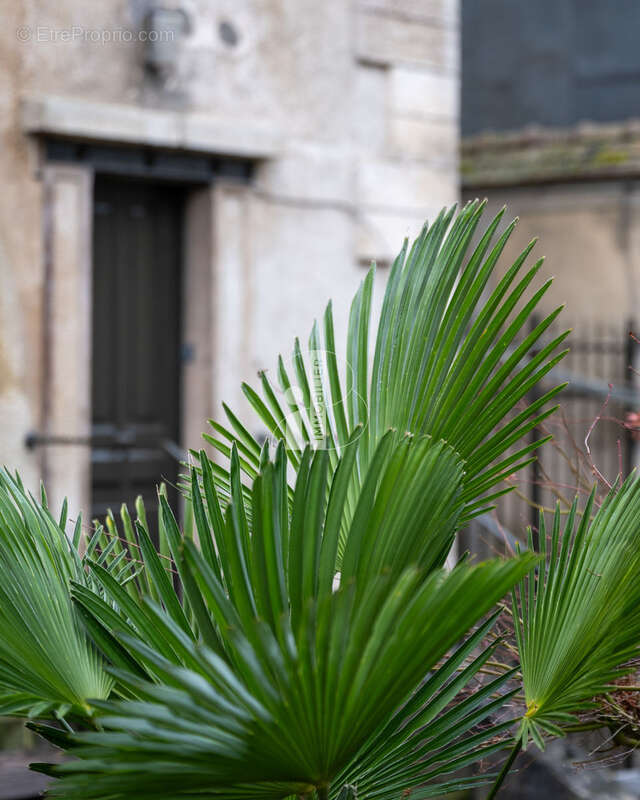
<point x="136" y="340"/>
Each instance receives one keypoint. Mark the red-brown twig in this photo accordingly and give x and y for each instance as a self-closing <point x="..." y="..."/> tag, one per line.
<point x="590" y="431"/>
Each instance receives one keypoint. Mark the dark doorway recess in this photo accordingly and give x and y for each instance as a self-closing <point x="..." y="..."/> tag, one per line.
<point x="137" y="254"/>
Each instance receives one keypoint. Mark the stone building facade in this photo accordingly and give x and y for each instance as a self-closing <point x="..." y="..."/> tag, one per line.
<point x="305" y="138"/>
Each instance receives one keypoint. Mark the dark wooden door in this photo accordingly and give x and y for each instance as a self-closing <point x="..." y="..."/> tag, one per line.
<point x="136" y="341"/>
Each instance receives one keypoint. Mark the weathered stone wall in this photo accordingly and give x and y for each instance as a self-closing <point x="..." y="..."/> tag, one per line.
<point x="350" y="105"/>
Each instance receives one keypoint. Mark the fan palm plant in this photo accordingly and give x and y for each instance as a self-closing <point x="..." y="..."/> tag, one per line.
<point x="47" y="664"/>
<point x="306" y="637"/>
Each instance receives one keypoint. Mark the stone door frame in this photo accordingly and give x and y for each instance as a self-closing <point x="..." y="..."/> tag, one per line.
<point x="216" y="298"/>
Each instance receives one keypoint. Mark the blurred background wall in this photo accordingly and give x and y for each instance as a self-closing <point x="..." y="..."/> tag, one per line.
<point x="184" y="187"/>
<point x="551" y="126"/>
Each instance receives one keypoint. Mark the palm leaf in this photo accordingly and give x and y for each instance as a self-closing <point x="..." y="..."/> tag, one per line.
<point x="48" y="665"/>
<point x="49" y="650"/>
<point x="441" y="728"/>
<point x="577" y="620"/>
<point x="446" y="363"/>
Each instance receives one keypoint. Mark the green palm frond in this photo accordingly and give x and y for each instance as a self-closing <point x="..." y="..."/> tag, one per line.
<point x="49" y="662"/>
<point x="406" y="515"/>
<point x="48" y="665"/>
<point x="281" y="677"/>
<point x="447" y="363"/>
<point x="442" y="728"/>
<point x="577" y="620"/>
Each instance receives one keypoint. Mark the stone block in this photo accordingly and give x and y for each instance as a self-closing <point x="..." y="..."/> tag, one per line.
<point x="114" y="122"/>
<point x="438" y="11"/>
<point x="308" y="175"/>
<point x="435" y="141"/>
<point x="404" y="186"/>
<point x="383" y="39"/>
<point x="371" y="106"/>
<point x="379" y="237"/>
<point x="423" y="93"/>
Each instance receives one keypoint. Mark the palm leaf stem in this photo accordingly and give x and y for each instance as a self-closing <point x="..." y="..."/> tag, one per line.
<point x="505" y="769"/>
